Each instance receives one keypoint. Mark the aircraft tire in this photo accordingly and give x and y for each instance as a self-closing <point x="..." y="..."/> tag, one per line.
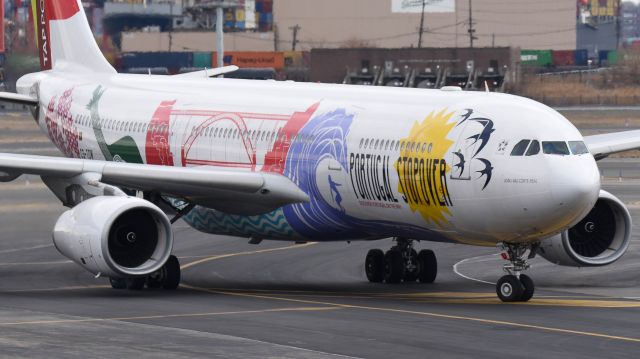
<point x="393" y="267"/>
<point x="135" y="283"/>
<point x="428" y="266"/>
<point x="374" y="266"/>
<point x="172" y="275"/>
<point x="118" y="283"/>
<point x="529" y="287"/>
<point x="509" y="288"/>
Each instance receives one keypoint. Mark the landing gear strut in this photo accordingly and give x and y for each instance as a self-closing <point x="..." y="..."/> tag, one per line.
<point x="167" y="277"/>
<point x="401" y="264"/>
<point x="515" y="286"/>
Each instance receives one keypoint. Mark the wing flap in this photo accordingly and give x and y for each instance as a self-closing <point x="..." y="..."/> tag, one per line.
<point x="603" y="145"/>
<point x="231" y="190"/>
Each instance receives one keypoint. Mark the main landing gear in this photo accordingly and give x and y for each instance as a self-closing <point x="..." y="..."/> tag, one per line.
<point x="167" y="277"/>
<point x="516" y="287"/>
<point x="401" y="264"/>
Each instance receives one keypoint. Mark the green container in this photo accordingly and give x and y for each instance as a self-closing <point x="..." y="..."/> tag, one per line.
<point x="540" y="58"/>
<point x="202" y="59"/>
<point x="612" y="57"/>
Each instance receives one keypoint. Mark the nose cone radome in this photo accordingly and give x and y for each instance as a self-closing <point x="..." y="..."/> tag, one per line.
<point x="575" y="188"/>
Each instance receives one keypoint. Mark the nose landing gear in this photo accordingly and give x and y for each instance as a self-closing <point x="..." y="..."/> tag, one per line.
<point x="402" y="263"/>
<point x="515" y="286"/>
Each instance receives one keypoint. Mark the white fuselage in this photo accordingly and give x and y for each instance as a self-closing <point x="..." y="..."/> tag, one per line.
<point x="376" y="162"/>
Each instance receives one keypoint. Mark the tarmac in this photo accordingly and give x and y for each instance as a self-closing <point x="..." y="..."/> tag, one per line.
<point x="282" y="300"/>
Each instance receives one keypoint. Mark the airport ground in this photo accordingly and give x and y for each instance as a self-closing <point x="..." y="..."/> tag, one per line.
<point x="281" y="300"/>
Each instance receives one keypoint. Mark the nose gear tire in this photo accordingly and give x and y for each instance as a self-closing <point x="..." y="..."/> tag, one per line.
<point x="509" y="288"/>
<point x="529" y="287"/>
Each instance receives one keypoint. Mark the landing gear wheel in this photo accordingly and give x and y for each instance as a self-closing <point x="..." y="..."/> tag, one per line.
<point x="393" y="267"/>
<point x="172" y="275"/>
<point x="529" y="287"/>
<point x="412" y="271"/>
<point x="155" y="279"/>
<point x="428" y="266"/>
<point x="135" y="283"/>
<point x="118" y="283"/>
<point x="374" y="266"/>
<point x="509" y="288"/>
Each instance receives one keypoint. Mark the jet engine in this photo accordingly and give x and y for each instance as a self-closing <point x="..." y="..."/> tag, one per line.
<point x="115" y="236"/>
<point x="601" y="238"/>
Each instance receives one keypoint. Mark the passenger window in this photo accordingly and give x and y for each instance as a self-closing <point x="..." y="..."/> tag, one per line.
<point x="520" y="147"/>
<point x="555" y="148"/>
<point x="397" y="145"/>
<point x="578" y="147"/>
<point x="534" y="148"/>
<point x="377" y="143"/>
<point x="366" y="144"/>
<point x="361" y="142"/>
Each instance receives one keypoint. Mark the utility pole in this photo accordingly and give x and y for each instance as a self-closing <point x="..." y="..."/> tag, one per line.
<point x="471" y="29"/>
<point x="220" y="35"/>
<point x="294" y="42"/>
<point x="424" y="2"/>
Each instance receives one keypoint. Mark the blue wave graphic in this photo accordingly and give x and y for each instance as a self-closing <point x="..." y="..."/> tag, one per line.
<point x="272" y="225"/>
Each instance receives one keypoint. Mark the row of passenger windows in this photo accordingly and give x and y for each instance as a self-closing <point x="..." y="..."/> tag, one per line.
<point x="389" y="145"/>
<point x="532" y="147"/>
<point x="216" y="132"/>
<point x="254" y="135"/>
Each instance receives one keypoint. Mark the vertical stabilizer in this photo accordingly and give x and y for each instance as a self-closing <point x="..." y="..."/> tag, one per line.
<point x="63" y="36"/>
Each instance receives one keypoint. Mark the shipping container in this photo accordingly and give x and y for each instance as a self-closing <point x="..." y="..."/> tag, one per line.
<point x="202" y="59"/>
<point x="240" y="15"/>
<point x="582" y="57"/>
<point x="563" y="57"/>
<point x="171" y="60"/>
<point x="612" y="57"/>
<point x="603" y="56"/>
<point x="538" y="58"/>
<point x="251" y="59"/>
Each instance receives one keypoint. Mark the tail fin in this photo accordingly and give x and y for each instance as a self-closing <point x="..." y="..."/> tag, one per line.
<point x="63" y="36"/>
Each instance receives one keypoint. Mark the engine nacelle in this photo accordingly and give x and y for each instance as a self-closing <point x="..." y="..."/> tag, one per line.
<point x="115" y="236"/>
<point x="601" y="238"/>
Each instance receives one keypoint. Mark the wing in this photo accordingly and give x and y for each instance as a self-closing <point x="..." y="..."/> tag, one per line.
<point x="231" y="190"/>
<point x="602" y="146"/>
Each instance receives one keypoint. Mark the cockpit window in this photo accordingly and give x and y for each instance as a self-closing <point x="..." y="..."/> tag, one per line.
<point x="520" y="147"/>
<point x="534" y="148"/>
<point x="555" y="148"/>
<point x="578" y="147"/>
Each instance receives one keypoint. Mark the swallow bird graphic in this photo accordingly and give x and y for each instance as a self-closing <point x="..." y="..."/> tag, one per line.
<point x="483" y="136"/>
<point x="462" y="162"/>
<point x="465" y="117"/>
<point x="487" y="171"/>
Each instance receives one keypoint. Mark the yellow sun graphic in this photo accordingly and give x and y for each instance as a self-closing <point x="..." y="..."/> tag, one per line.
<point x="422" y="169"/>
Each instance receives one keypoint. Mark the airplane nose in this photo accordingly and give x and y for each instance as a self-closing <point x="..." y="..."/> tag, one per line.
<point x="575" y="188"/>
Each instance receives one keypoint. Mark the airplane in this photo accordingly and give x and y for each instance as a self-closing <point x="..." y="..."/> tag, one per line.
<point x="267" y="160"/>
